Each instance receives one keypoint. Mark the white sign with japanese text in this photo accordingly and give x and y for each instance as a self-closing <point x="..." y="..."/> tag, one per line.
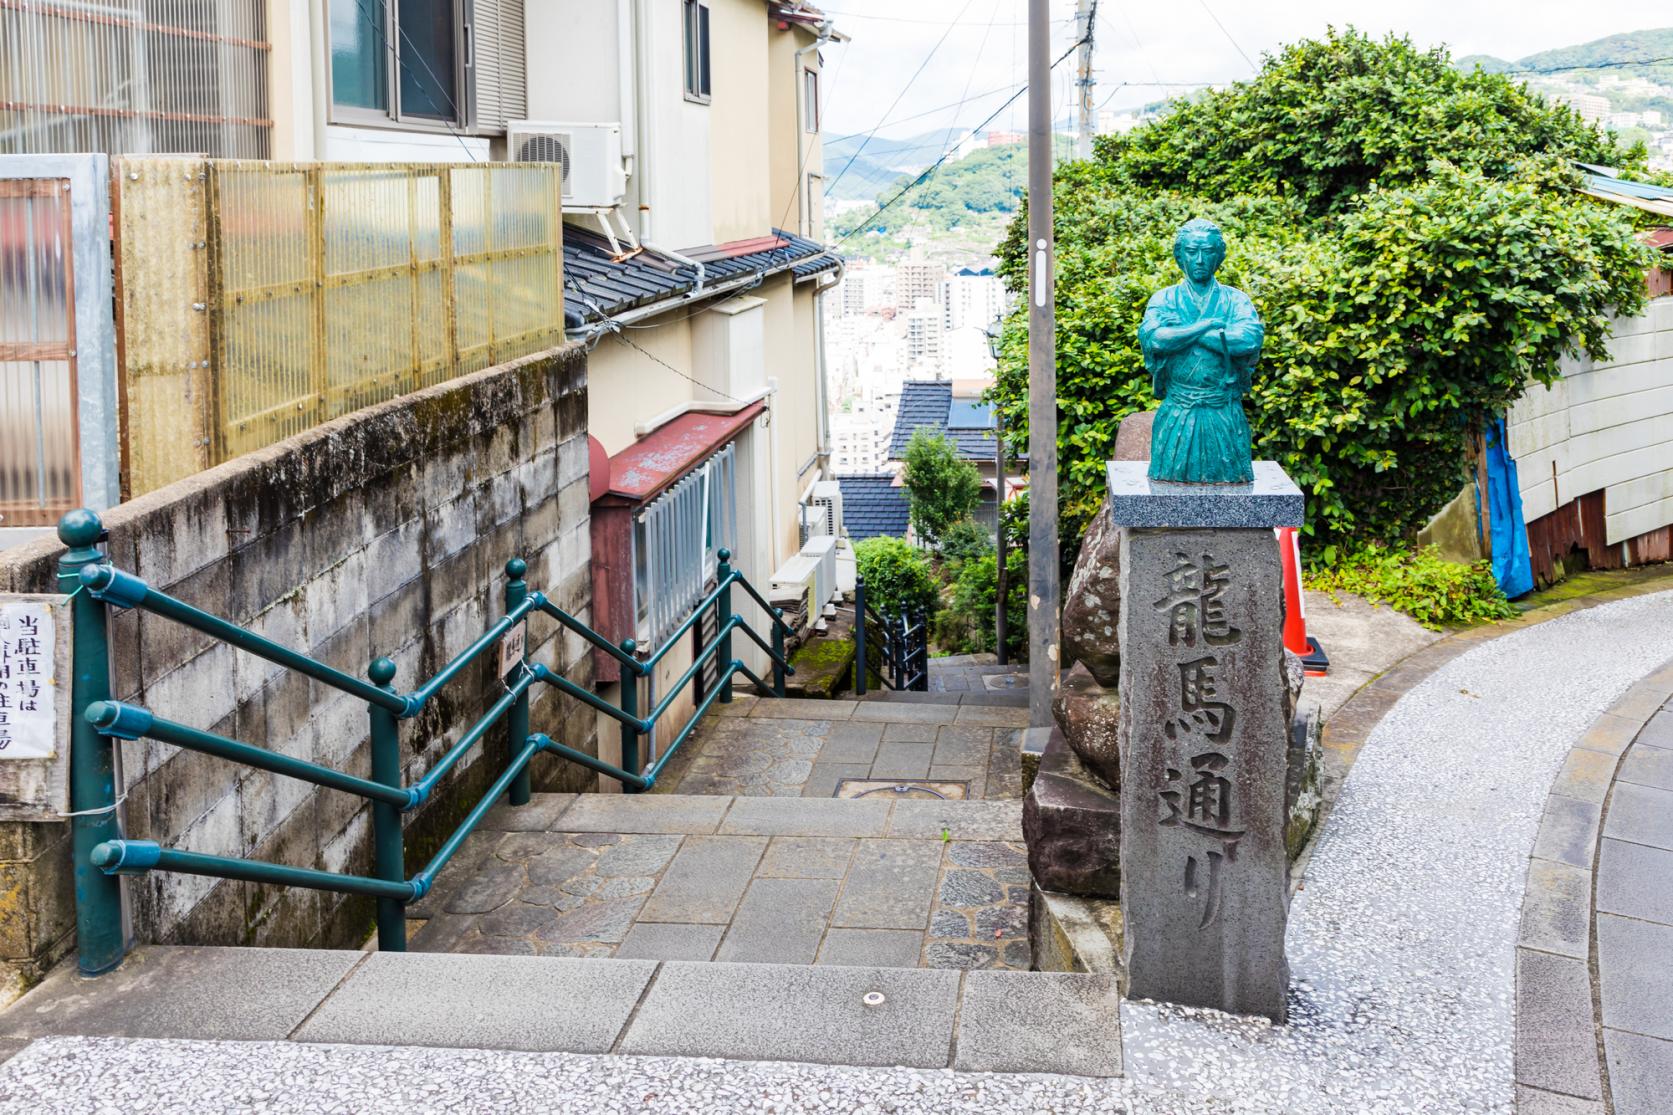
<point x="35" y="637"/>
<point x="29" y="685"/>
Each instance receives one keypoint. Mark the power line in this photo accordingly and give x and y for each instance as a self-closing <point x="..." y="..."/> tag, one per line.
<point x="915" y="74"/>
<point x="935" y="166"/>
<point x="1227" y="34"/>
<point x="1591" y="66"/>
<point x="401" y="62"/>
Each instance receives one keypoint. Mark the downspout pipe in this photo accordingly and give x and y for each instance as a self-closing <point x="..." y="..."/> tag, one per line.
<point x="644" y="113"/>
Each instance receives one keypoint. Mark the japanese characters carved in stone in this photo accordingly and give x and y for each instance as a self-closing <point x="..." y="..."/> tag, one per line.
<point x="1201" y="340"/>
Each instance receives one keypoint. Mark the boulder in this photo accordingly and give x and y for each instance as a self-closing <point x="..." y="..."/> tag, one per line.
<point x="1295" y="676"/>
<point x="1087" y="713"/>
<point x="1072" y="824"/>
<point x="1092" y="602"/>
<point x="1132" y="438"/>
<point x="1301" y="778"/>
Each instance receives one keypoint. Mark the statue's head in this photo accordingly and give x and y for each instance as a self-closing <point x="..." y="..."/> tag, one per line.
<point x="1199" y="248"/>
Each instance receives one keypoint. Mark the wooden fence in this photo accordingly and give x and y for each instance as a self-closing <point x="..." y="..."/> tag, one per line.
<point x="257" y="299"/>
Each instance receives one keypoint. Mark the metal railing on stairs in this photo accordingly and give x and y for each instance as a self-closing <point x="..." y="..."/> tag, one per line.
<point x="101" y="853"/>
<point x="900" y="649"/>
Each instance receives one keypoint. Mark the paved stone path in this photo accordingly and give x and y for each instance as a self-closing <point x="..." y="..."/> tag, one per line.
<point x="909" y="883"/>
<point x="802" y="747"/>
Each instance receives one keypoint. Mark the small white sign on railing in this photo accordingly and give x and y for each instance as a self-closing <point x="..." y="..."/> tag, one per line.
<point x="34" y="707"/>
<point x="512" y="648"/>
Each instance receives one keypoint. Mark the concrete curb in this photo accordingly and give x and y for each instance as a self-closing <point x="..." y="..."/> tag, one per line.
<point x="1559" y="1002"/>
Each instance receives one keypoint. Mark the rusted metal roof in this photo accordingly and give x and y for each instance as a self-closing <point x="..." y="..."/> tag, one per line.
<point x="640" y="472"/>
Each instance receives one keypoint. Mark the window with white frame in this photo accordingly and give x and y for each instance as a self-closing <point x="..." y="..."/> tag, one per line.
<point x="696" y="35"/>
<point x="810" y="100"/>
<point x="676" y="542"/>
<point x="428" y="63"/>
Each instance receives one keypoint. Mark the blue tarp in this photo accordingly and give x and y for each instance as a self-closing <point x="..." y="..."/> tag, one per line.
<point x="1511" y="564"/>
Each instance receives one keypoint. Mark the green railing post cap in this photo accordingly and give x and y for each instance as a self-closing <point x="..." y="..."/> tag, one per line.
<point x="381" y="671"/>
<point x="516" y="568"/>
<point x="80" y="528"/>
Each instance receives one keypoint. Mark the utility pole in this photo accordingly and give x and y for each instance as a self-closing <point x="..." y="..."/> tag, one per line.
<point x="999" y="632"/>
<point x="1043" y="589"/>
<point x="1086" y="23"/>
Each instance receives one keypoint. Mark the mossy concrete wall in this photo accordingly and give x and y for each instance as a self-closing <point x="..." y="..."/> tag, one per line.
<point x="385" y="532"/>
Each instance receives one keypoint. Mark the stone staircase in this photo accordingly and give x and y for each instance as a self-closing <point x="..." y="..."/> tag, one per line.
<point x="836" y="882"/>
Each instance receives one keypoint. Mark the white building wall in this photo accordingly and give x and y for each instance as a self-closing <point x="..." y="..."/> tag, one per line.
<point x="1607" y="426"/>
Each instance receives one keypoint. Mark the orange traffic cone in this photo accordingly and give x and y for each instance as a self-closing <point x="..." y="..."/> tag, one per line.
<point x="1296" y="639"/>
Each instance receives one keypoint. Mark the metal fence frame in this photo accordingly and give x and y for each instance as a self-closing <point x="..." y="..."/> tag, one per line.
<point x="93" y="357"/>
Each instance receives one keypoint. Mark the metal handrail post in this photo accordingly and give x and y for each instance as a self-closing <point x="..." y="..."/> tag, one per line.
<point x="388" y="854"/>
<point x="859" y="636"/>
<point x="897" y="647"/>
<point x="92" y="761"/>
<point x="724" y="573"/>
<point x="630" y="705"/>
<point x="517" y="721"/>
<point x="778" y="655"/>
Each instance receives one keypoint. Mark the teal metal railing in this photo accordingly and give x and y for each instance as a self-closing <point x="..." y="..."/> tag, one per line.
<point x="102" y="854"/>
<point x="901" y="655"/>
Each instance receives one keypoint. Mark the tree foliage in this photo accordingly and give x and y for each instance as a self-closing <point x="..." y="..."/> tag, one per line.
<point x="897" y="575"/>
<point x="941" y="487"/>
<point x="1410" y="234"/>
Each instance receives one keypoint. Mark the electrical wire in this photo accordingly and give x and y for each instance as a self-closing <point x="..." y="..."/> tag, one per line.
<point x="932" y="168"/>
<point x="1228" y="35"/>
<point x="909" y="82"/>
<point x="389" y="45"/>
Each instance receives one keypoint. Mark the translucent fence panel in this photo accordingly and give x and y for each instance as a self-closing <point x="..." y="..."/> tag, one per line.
<point x="330" y="287"/>
<point x="39" y="459"/>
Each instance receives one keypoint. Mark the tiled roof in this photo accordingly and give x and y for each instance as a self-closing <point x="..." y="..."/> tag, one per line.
<point x="925" y="404"/>
<point x="597" y="285"/>
<point x="872" y="505"/>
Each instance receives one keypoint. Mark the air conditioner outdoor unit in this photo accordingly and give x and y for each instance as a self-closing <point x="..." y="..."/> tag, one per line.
<point x="824" y="509"/>
<point x="590" y="155"/>
<point x="822" y="550"/>
<point x="797" y="581"/>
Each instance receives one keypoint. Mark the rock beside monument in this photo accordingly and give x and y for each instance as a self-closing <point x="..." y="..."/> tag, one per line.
<point x="1089" y="715"/>
<point x="1072" y="824"/>
<point x="1092" y="602"/>
<point x="1132" y="438"/>
<point x="1303" y="766"/>
<point x="1295" y="676"/>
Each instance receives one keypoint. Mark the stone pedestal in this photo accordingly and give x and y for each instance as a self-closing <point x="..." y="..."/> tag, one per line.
<point x="1204" y="739"/>
<point x="1071" y="822"/>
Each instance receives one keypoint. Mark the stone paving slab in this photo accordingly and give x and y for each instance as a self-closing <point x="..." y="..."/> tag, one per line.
<point x="492" y="1002"/>
<point x="806" y="817"/>
<point x="957" y="820"/>
<point x="1039" y="1022"/>
<point x="239" y="994"/>
<point x="811" y="1014"/>
<point x="1635" y="977"/>
<point x="686" y="814"/>
<point x="1640" y="1072"/>
<point x="706" y="880"/>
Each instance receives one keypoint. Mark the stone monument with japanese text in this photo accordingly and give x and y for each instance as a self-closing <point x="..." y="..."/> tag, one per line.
<point x="1204" y="723"/>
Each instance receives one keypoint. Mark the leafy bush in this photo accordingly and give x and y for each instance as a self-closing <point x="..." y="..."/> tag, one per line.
<point x="941" y="487"/>
<point x="1435" y="592"/>
<point x="896" y="574"/>
<point x="964" y="540"/>
<point x="967" y="624"/>
<point x="1411" y="236"/>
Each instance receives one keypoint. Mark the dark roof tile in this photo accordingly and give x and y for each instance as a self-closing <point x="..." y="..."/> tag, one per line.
<point x="872" y="506"/>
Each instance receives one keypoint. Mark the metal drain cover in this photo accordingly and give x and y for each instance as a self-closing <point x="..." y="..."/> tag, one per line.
<point x="892" y="789"/>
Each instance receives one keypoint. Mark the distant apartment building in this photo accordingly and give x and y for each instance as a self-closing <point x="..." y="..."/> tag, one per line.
<point x="860" y="435"/>
<point x="917" y="281"/>
<point x="1591" y="107"/>
<point x="1004" y="139"/>
<point x="972" y="297"/>
<point x="925" y="332"/>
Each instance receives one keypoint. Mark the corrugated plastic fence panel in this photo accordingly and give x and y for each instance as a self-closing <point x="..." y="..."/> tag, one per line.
<point x="331" y="287"/>
<point x="134" y="76"/>
<point x="39" y="458"/>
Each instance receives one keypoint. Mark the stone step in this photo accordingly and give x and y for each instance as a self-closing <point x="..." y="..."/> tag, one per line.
<point x="721" y="815"/>
<point x="984" y="1021"/>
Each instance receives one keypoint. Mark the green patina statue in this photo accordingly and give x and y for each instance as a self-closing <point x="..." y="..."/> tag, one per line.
<point x="1201" y="341"/>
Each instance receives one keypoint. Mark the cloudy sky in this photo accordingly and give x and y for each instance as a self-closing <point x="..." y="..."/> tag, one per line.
<point x="1157" y="48"/>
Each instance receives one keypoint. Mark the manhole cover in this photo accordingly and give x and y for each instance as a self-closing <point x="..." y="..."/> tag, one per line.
<point x="890" y="789"/>
<point x="1005" y="681"/>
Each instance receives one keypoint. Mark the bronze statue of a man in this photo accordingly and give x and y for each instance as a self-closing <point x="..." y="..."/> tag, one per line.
<point x="1200" y="341"/>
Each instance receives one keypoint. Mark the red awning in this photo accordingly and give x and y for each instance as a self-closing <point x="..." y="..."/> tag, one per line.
<point x="640" y="472"/>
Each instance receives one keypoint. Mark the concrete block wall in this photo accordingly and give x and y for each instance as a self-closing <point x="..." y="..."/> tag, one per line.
<point x="385" y="532"/>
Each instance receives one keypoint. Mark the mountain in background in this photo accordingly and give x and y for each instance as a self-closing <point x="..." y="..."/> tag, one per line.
<point x="1646" y="54"/>
<point x="881" y="162"/>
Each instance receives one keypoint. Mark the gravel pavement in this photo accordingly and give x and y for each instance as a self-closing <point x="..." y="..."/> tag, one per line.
<point x="1400" y="944"/>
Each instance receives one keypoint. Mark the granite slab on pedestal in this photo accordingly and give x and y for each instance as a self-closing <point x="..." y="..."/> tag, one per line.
<point x="1271" y="500"/>
<point x="1204" y="739"/>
